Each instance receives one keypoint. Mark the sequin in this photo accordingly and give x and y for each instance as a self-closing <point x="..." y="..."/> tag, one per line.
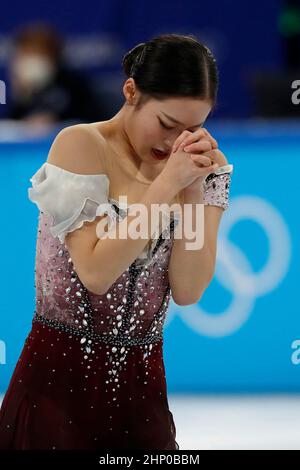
<point x="216" y="190"/>
<point x="116" y="339"/>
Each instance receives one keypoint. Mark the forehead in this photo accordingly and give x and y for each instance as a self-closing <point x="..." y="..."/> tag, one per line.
<point x="189" y="111"/>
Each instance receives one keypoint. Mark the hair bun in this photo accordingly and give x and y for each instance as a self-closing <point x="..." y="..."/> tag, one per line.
<point x="130" y="59"/>
<point x="172" y="65"/>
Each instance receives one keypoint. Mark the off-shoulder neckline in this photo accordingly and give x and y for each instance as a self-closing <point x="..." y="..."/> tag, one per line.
<point x="121" y="205"/>
<point x="72" y="173"/>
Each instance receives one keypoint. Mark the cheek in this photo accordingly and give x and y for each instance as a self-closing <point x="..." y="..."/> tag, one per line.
<point x="147" y="133"/>
<point x="152" y="135"/>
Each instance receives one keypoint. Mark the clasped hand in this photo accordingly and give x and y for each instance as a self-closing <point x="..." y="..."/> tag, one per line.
<point x="202" y="148"/>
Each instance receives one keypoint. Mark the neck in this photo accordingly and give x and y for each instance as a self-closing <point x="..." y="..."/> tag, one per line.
<point x="142" y="171"/>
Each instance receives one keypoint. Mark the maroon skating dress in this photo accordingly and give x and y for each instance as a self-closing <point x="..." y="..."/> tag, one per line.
<point x="91" y="373"/>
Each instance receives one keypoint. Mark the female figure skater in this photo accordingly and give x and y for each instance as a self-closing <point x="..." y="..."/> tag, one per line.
<point x="91" y="373"/>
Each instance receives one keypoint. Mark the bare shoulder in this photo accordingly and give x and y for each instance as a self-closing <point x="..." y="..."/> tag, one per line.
<point x="80" y="149"/>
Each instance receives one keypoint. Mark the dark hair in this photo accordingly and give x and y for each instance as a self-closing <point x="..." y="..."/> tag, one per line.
<point x="172" y="65"/>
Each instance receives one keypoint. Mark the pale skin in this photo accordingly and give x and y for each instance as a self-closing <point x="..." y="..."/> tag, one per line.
<point x="128" y="138"/>
<point x="191" y="271"/>
<point x="197" y="267"/>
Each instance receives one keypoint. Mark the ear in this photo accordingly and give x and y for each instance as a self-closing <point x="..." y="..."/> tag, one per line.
<point x="130" y="91"/>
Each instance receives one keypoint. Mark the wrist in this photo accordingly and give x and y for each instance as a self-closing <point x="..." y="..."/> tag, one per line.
<point x="195" y="194"/>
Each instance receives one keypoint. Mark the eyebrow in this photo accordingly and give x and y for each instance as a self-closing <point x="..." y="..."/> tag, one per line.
<point x="178" y="122"/>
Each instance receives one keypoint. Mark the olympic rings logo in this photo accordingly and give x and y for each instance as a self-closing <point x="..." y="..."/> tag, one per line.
<point x="234" y="271"/>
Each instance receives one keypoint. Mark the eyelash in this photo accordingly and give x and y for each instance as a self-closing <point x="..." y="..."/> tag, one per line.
<point x="169" y="128"/>
<point x="164" y="126"/>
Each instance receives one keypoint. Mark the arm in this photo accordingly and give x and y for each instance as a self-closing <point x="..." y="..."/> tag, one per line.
<point x="99" y="262"/>
<point x="190" y="271"/>
<point x="196" y="267"/>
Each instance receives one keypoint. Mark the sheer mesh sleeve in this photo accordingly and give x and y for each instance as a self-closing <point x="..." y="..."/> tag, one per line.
<point x="70" y="198"/>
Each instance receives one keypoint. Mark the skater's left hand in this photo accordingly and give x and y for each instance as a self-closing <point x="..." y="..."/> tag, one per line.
<point x="202" y="148"/>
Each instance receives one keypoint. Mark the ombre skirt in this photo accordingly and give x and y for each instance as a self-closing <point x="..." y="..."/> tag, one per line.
<point x="56" y="400"/>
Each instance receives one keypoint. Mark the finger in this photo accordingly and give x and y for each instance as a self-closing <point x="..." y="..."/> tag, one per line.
<point x="200" y="146"/>
<point x="187" y="138"/>
<point x="201" y="159"/>
<point x="179" y="140"/>
<point x="192" y="137"/>
<point x="217" y="156"/>
<point x="208" y="169"/>
<point x="198" y="136"/>
<point x="212" y="139"/>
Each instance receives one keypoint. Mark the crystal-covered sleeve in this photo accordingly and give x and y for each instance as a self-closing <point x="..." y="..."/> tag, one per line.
<point x="216" y="187"/>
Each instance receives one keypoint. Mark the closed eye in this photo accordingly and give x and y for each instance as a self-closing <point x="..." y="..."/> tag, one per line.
<point x="164" y="126"/>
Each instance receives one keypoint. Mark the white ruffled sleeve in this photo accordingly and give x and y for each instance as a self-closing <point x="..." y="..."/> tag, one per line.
<point x="70" y="198"/>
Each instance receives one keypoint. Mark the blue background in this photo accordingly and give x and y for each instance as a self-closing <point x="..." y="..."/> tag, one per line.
<point x="254" y="355"/>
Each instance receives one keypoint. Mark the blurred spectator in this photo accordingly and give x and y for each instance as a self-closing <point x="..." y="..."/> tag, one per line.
<point x="43" y="88"/>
